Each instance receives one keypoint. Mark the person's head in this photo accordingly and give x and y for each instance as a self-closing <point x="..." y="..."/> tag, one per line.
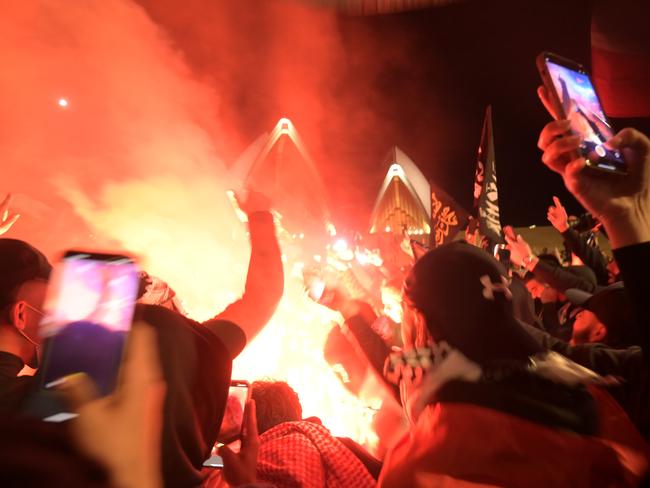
<point x="460" y="294"/>
<point x="275" y="402"/>
<point x="24" y="273"/>
<point x="535" y="287"/>
<point x="154" y="291"/>
<point x="585" y="273"/>
<point x="605" y="317"/>
<point x="587" y="328"/>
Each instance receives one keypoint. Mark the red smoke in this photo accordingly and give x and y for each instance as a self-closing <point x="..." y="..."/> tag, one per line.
<point x="160" y="101"/>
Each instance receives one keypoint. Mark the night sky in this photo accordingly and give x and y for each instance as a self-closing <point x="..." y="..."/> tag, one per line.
<point x="420" y="80"/>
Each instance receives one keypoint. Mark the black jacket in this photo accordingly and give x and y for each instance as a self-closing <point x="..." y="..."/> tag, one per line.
<point x="633" y="394"/>
<point x="196" y="366"/>
<point x="562" y="279"/>
<point x="632" y="365"/>
<point x="590" y="255"/>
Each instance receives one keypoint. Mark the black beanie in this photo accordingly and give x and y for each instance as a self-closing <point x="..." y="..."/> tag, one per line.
<point x="464" y="296"/>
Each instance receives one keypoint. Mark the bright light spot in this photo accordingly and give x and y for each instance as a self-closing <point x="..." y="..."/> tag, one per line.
<point x="316" y="289"/>
<point x="366" y="257"/>
<point x="291" y="346"/>
<point x="297" y="269"/>
<point x="396" y="170"/>
<point x="340" y="245"/>
<point x="387" y="228"/>
<point x="285" y="125"/>
<point x="342" y="250"/>
<point x="63" y="103"/>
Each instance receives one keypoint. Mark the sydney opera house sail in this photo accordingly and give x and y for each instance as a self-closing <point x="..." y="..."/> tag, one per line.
<point x="403" y="203"/>
<point x="283" y="170"/>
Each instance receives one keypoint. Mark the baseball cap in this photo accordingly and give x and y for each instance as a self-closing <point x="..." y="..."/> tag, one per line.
<point x="19" y="262"/>
<point x="584" y="272"/>
<point x="612" y="307"/>
<point x="465" y="297"/>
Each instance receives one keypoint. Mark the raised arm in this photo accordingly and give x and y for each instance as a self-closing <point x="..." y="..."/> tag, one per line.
<point x="621" y="203"/>
<point x="577" y="243"/>
<point x="265" y="279"/>
<point x="555" y="276"/>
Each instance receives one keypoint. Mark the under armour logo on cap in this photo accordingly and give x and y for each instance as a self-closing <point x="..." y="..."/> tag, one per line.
<point x="490" y="288"/>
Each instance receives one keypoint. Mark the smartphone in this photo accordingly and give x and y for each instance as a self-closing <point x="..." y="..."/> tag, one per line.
<point x="89" y="310"/>
<point x="214" y="461"/>
<point x="574" y="97"/>
<point x="233" y="420"/>
<point x="233" y="417"/>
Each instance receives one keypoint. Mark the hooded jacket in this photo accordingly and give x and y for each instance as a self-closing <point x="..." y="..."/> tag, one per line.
<point x="488" y="406"/>
<point x="516" y="430"/>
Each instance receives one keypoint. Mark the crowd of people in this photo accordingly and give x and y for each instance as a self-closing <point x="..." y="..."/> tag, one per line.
<point x="529" y="373"/>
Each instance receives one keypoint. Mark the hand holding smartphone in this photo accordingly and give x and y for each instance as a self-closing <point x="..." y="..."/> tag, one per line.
<point x="573" y="97"/>
<point x="233" y="419"/>
<point x="88" y="315"/>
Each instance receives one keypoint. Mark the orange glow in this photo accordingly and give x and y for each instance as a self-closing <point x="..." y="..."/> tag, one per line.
<point x="290" y="348"/>
<point x="138" y="166"/>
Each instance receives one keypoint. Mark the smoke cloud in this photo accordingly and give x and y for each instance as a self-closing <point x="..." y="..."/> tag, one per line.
<point x="120" y="122"/>
<point x="130" y="159"/>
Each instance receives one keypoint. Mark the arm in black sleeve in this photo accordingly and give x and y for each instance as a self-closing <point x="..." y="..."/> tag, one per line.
<point x="634" y="262"/>
<point x="370" y="343"/>
<point x="633" y="392"/>
<point x="590" y="255"/>
<point x="600" y="358"/>
<point x="560" y="279"/>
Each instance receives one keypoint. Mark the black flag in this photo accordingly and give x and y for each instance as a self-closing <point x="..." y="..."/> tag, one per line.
<point x="447" y="217"/>
<point x="486" y="195"/>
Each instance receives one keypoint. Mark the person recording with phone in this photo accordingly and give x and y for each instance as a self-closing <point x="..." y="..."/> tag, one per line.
<point x="622" y="204"/>
<point x="195" y="363"/>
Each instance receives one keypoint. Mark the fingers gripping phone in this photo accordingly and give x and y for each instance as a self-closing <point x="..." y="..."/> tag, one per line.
<point x="574" y="97"/>
<point x="88" y="315"/>
<point x="233" y="419"/>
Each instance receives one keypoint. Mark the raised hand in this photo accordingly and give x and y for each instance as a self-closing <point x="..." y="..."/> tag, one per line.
<point x="6" y="221"/>
<point x="123" y="431"/>
<point x="519" y="248"/>
<point x="620" y="202"/>
<point x="241" y="468"/>
<point x="557" y="216"/>
<point x="252" y="201"/>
